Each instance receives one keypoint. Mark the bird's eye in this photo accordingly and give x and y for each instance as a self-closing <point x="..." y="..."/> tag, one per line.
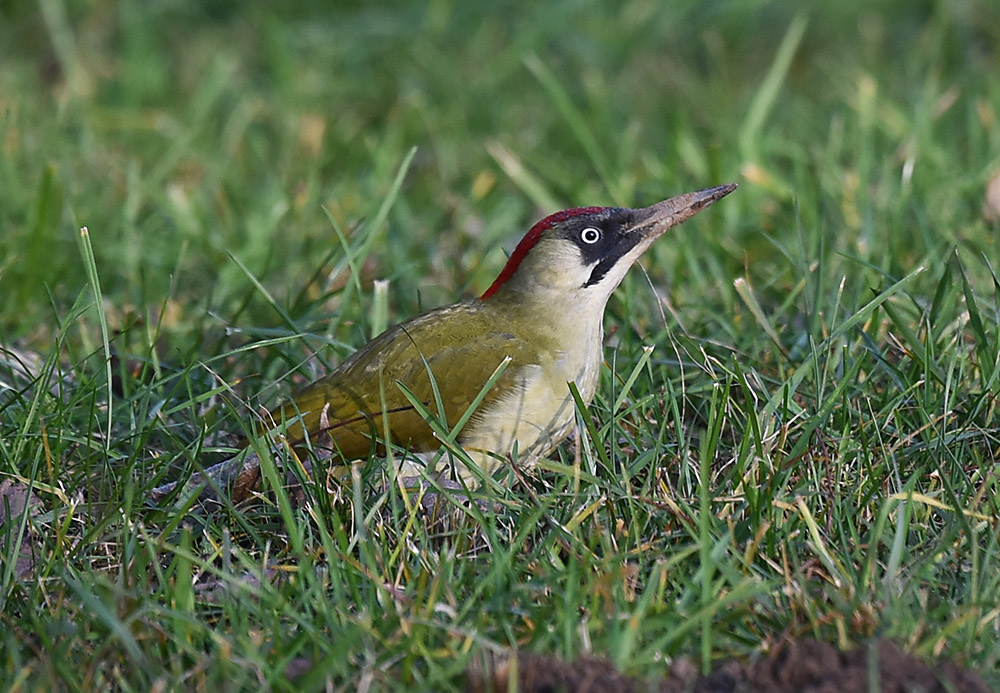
<point x="590" y="235"/>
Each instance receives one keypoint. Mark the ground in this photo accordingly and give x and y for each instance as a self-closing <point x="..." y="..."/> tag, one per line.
<point x="803" y="666"/>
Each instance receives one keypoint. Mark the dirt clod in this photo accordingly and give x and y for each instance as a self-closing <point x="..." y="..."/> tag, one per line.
<point x="805" y="666"/>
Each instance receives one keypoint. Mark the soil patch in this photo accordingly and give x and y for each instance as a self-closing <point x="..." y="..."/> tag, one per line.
<point x="805" y="666"/>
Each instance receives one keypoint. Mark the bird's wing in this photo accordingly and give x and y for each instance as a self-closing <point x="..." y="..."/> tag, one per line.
<point x="357" y="392"/>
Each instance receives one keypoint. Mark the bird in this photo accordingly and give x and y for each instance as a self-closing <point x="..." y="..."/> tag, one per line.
<point x="512" y="352"/>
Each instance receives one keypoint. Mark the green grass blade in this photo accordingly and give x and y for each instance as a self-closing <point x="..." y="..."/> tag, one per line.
<point x="90" y="265"/>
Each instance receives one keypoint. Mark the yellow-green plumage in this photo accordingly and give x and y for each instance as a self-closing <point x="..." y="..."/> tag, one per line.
<point x="461" y="345"/>
<point x="544" y="313"/>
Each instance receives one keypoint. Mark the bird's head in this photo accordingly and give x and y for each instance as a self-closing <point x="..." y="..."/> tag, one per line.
<point x="583" y="254"/>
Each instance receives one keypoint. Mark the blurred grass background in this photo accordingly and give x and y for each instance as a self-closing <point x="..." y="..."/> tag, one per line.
<point x="230" y="160"/>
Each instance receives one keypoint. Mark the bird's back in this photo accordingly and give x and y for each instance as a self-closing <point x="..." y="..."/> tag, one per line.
<point x="455" y="349"/>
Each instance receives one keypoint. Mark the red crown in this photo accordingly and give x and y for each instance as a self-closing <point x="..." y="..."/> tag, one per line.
<point x="529" y="241"/>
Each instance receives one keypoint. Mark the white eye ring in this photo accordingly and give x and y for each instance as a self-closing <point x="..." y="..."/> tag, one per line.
<point x="590" y="235"/>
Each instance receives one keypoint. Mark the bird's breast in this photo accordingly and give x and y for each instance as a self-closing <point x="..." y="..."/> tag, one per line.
<point x="537" y="411"/>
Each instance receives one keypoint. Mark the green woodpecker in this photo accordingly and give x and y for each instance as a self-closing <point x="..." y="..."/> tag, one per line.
<point x="542" y="318"/>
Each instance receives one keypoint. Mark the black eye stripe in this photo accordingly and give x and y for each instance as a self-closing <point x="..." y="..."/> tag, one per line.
<point x="601" y="240"/>
<point x="610" y="259"/>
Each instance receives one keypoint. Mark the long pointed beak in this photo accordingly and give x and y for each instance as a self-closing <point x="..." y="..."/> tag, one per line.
<point x="652" y="222"/>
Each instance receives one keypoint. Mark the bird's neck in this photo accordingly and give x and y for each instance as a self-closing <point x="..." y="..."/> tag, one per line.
<point x="573" y="323"/>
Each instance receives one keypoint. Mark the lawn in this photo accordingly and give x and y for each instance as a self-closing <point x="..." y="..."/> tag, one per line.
<point x="797" y="431"/>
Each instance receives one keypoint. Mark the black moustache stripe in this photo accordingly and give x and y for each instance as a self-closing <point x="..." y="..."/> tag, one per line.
<point x="626" y="242"/>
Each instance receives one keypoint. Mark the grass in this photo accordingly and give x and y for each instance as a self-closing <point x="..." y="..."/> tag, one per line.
<point x="808" y="448"/>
